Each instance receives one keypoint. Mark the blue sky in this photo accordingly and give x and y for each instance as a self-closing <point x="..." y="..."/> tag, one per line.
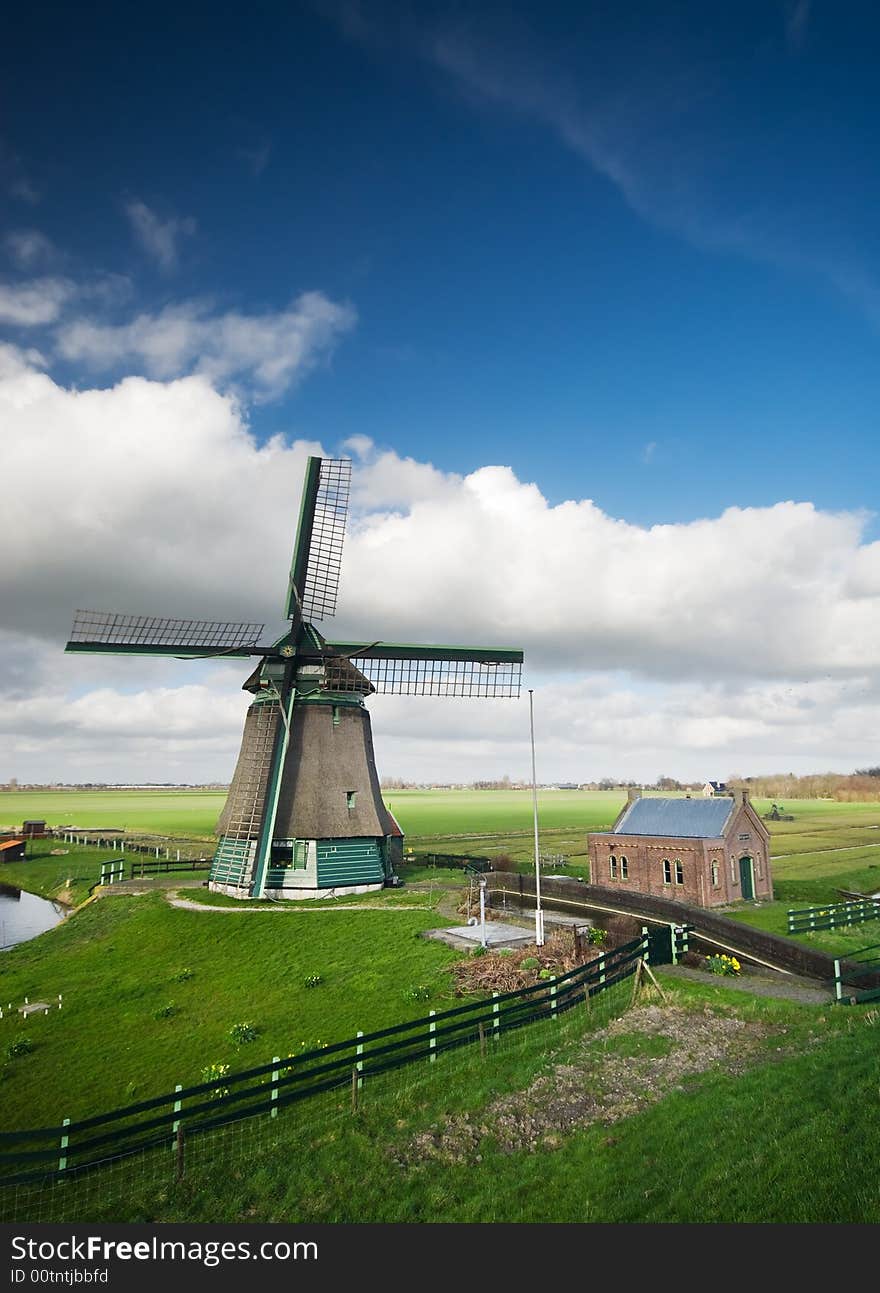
<point x="628" y="252"/>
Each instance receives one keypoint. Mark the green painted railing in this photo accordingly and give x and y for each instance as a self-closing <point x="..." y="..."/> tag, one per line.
<point x="833" y="914"/>
<point x="853" y="986"/>
<point x="34" y="1155"/>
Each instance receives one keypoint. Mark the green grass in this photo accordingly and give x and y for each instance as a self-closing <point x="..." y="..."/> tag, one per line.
<point x="131" y="1027"/>
<point x="174" y="812"/>
<point x="67" y="878"/>
<point x="115" y="964"/>
<point x="791" y="1140"/>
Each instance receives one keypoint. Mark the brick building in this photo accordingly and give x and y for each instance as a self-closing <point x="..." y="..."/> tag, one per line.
<point x="709" y="852"/>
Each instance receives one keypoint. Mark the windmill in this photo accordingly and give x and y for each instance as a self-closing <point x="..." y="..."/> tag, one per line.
<point x="304" y="816"/>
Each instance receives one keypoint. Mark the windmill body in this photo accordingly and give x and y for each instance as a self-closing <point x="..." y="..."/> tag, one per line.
<point x="304" y="816"/>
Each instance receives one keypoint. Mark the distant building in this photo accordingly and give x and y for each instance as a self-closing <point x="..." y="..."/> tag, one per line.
<point x="708" y="852"/>
<point x="714" y="788"/>
<point x="11" y="850"/>
<point x="33" y="830"/>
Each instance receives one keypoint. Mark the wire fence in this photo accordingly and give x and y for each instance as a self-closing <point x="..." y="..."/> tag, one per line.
<point x="234" y="1171"/>
<point x="42" y="1166"/>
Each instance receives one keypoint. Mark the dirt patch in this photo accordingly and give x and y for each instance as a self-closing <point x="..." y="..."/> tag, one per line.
<point x="510" y="969"/>
<point x="660" y="1048"/>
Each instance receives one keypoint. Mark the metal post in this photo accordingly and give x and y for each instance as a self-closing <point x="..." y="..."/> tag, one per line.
<point x="62" y="1162"/>
<point x="482" y="911"/>
<point x="276" y="1059"/>
<point x="432" y="1037"/>
<point x="539" y="915"/>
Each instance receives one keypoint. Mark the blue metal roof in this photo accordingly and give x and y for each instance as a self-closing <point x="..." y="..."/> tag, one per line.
<point x="680" y="818"/>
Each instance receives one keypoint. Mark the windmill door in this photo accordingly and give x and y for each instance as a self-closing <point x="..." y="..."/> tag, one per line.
<point x="746" y="878"/>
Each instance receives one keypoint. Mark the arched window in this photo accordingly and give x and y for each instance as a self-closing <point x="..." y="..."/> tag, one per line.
<point x="624" y="868"/>
<point x="612" y="866"/>
<point x="679" y="872"/>
<point x="667" y="871"/>
<point x="714" y="873"/>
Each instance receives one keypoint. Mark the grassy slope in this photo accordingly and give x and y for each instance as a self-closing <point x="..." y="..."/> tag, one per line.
<point x="115" y="963"/>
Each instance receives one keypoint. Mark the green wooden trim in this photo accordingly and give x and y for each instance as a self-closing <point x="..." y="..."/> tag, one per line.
<point x="190" y="652"/>
<point x="282" y="738"/>
<point x="300" y="561"/>
<point x="403" y="651"/>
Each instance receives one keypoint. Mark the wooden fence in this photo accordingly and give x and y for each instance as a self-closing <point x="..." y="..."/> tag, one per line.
<point x="833" y="914"/>
<point x="44" y="1153"/>
<point x="854" y="987"/>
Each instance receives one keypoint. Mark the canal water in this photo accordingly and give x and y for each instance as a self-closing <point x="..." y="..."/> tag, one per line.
<point x="23" y="915"/>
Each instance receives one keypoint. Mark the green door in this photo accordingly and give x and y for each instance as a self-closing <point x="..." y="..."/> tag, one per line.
<point x="745" y="877"/>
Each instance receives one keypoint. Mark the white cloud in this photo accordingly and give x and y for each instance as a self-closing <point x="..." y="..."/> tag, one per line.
<point x="35" y="302"/>
<point x="159" y="238"/>
<point x="28" y="248"/>
<point x="746" y="639"/>
<point x="271" y="351"/>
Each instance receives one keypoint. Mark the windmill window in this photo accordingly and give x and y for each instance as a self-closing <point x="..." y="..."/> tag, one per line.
<point x="667" y="871"/>
<point x="714" y="874"/>
<point x="350" y="799"/>
<point x="624" y="869"/>
<point x="612" y="866"/>
<point x="679" y="873"/>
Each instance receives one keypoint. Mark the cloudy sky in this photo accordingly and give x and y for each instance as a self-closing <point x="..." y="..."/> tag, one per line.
<point x="590" y="294"/>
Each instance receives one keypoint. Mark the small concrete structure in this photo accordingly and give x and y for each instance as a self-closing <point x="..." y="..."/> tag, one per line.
<point x="498" y="934"/>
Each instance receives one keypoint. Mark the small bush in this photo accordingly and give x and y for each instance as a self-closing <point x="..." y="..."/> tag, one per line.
<point x="182" y="975"/>
<point x="166" y="1011"/>
<point x="530" y="963"/>
<point x="21" y="1046"/>
<point x="720" y="964"/>
<point x="503" y="862"/>
<point x="214" y="1073"/>
<point x="546" y="973"/>
<point x="312" y="981"/>
<point x="420" y="992"/>
<point x="598" y="937"/>
<point x="244" y="1032"/>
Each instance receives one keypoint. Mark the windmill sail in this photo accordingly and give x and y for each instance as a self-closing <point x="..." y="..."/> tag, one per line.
<point x="107" y="631"/>
<point x="317" y="553"/>
<point x="399" y="670"/>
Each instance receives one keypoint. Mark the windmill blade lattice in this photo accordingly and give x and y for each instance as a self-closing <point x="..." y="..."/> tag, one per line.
<point x="428" y="671"/>
<point x="109" y="631"/>
<point x="321" y="584"/>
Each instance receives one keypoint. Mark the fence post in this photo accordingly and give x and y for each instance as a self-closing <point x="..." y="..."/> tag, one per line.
<point x="432" y="1037"/>
<point x="65" y="1140"/>
<point x="175" y="1126"/>
<point x="838" y="982"/>
<point x="496" y="1016"/>
<point x="553" y="1002"/>
<point x="601" y="970"/>
<point x="684" y="938"/>
<point x="179" y="1156"/>
<point x="276" y="1059"/>
<point x="646" y="951"/>
<point x="482" y="1032"/>
<point x="673" y="929"/>
<point x="360" y="1063"/>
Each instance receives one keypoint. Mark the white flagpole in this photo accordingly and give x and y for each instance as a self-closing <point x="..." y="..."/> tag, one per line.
<point x="539" y="915"/>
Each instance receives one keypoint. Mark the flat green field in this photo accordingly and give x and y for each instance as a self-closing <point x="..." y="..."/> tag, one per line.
<point x="421" y="813"/>
<point x="191" y="813"/>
